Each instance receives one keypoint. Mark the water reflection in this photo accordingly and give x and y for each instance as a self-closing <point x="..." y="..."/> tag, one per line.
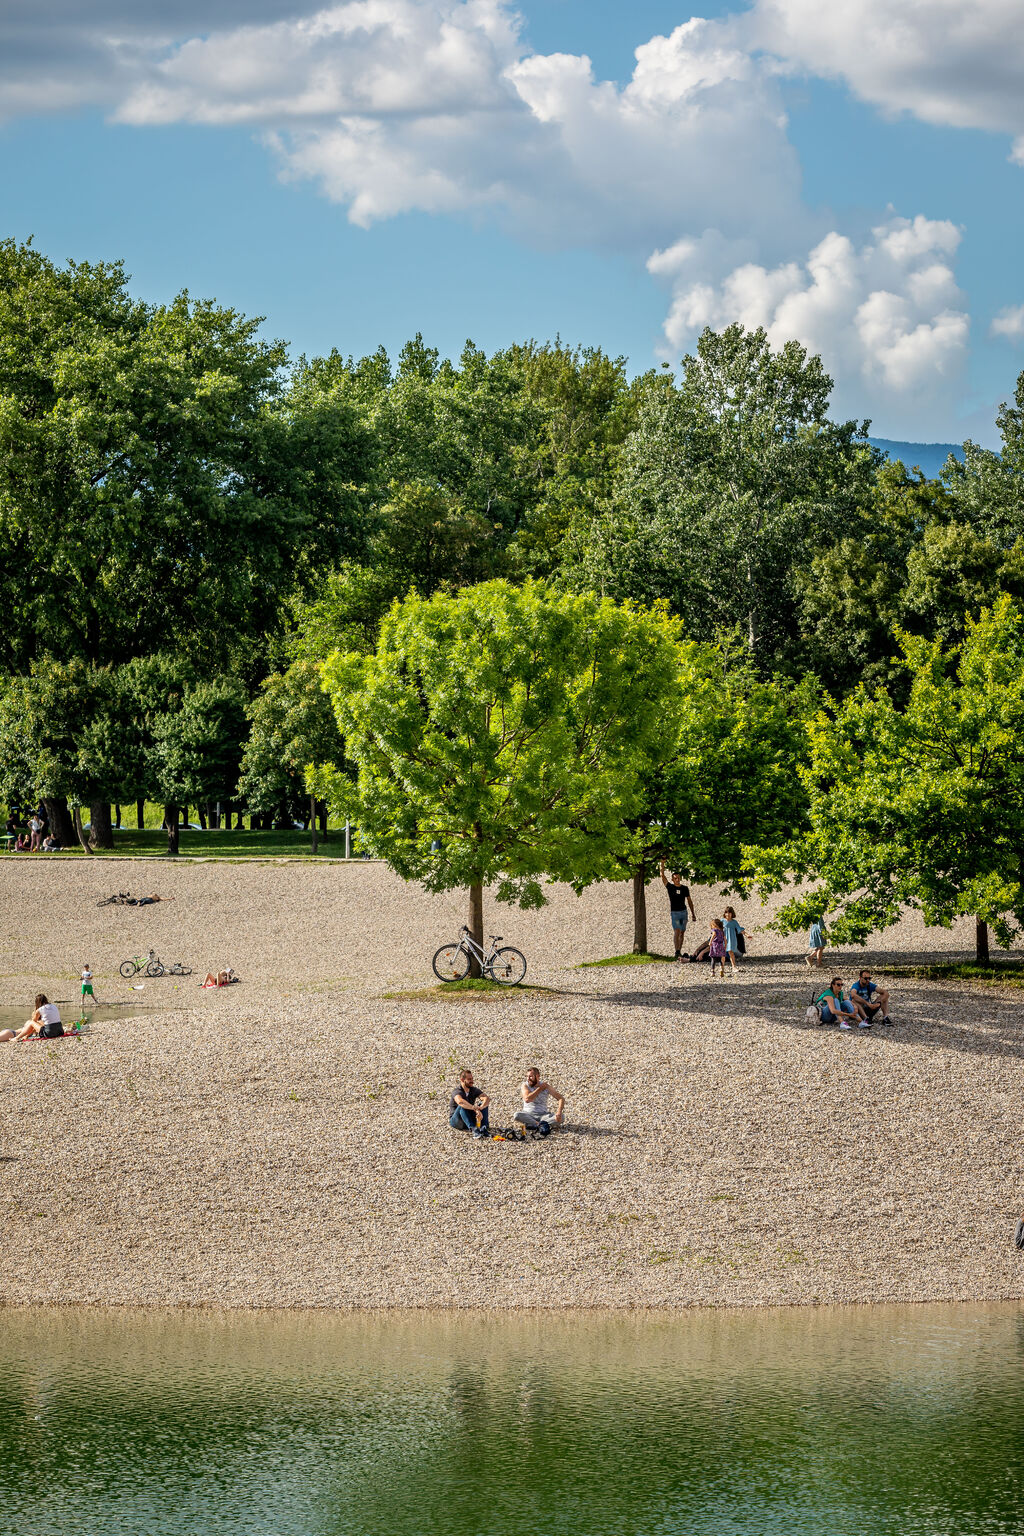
<point x="869" y="1421"/>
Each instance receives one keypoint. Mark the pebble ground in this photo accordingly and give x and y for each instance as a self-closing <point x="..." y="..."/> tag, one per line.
<point x="284" y="1143"/>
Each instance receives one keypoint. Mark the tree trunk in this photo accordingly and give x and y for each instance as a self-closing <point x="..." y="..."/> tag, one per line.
<point x="76" y="817"/>
<point x="639" y="912"/>
<point x="981" y="941"/>
<point x="171" y="818"/>
<point x="62" y="828"/>
<point x="476" y="923"/>
<point x="140" y="815"/>
<point x="201" y="816"/>
<point x="312" y="822"/>
<point x="117" y="817"/>
<point x="100" y="832"/>
<point x="321" y="806"/>
<point x="227" y="817"/>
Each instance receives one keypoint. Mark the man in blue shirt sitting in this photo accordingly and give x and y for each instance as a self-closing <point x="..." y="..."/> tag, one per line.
<point x="872" y="998"/>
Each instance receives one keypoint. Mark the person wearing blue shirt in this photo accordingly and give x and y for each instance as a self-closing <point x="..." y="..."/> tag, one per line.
<point x="871" y="997"/>
<point x="834" y="1007"/>
<point x="735" y="936"/>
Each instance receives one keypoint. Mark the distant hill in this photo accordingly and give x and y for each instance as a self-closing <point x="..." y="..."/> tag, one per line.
<point x="928" y="456"/>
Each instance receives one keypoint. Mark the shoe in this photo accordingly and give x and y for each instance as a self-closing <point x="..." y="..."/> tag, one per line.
<point x="886" y="1019"/>
<point x="479" y="1134"/>
<point x="844" y="1025"/>
<point x="863" y="1023"/>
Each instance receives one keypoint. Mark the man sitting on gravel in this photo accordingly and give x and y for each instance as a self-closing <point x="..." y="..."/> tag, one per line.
<point x="871" y="997"/>
<point x="535" y="1114"/>
<point x="468" y="1108"/>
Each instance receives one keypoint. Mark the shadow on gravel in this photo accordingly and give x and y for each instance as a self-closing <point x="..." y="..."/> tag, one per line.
<point x="972" y="1029"/>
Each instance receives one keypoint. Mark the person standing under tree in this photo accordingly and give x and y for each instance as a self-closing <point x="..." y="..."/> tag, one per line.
<point x="679" y="899"/>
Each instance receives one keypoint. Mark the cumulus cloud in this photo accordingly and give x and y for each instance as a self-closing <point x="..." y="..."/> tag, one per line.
<point x="886" y="316"/>
<point x="1009" y="323"/>
<point x="958" y="63"/>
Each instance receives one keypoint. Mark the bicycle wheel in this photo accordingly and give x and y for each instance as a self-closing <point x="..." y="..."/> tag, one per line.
<point x="154" y="968"/>
<point x="181" y="970"/>
<point x="451" y="963"/>
<point x="129" y="969"/>
<point x="508" y="967"/>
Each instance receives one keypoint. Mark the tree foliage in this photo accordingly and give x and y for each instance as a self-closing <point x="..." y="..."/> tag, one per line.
<point x="920" y="807"/>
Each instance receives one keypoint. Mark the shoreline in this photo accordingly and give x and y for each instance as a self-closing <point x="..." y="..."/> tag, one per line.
<point x="283" y="1146"/>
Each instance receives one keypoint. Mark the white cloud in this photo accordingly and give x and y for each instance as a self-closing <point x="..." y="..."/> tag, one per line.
<point x="1009" y="323"/>
<point x="886" y="316"/>
<point x="958" y="63"/>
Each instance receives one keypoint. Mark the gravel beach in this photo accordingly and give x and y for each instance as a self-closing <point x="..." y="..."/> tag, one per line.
<point x="284" y="1143"/>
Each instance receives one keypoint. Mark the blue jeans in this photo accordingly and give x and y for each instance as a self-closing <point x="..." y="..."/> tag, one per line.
<point x="465" y="1119"/>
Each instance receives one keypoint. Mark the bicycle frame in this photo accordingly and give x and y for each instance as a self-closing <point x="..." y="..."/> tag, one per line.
<point x="467" y="942"/>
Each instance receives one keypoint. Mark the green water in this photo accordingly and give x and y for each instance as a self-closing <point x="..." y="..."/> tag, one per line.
<point x="866" y="1421"/>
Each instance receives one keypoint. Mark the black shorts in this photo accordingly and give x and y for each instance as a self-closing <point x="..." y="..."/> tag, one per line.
<point x="51" y="1031"/>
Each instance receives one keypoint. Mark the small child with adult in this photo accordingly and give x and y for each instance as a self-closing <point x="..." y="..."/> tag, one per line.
<point x="735" y="936"/>
<point x="716" y="946"/>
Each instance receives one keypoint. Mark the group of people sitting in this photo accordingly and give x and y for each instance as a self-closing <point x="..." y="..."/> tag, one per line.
<point x="858" y="1008"/>
<point x="469" y="1107"/>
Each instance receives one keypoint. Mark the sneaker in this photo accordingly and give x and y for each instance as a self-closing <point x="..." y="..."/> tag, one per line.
<point x="863" y="1023"/>
<point x="479" y="1134"/>
<point x="886" y="1019"/>
<point x="844" y="1025"/>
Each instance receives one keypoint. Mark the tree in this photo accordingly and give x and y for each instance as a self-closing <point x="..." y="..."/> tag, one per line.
<point x="158" y="491"/>
<point x="291" y="727"/>
<point x="728" y="483"/>
<point x="731" y="781"/>
<point x="197" y="748"/>
<point x="501" y="735"/>
<point x="921" y="807"/>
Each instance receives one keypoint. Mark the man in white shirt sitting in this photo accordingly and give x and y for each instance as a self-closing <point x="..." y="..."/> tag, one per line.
<point x="535" y="1114"/>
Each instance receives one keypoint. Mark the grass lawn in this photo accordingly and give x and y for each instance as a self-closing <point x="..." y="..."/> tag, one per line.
<point x="998" y="973"/>
<point x="451" y="991"/>
<point x="210" y="845"/>
<point x="641" y="959"/>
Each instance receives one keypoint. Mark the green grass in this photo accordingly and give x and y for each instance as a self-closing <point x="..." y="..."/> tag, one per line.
<point x="472" y="985"/>
<point x="210" y="845"/>
<point x="642" y="959"/>
<point x="998" y="973"/>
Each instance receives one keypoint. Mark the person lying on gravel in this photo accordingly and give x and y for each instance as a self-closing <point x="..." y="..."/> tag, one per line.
<point x="834" y="1007"/>
<point x="223" y="978"/>
<point x="467" y="1109"/>
<point x="871" y="997"/>
<point x="45" y="1022"/>
<point x="535" y="1114"/>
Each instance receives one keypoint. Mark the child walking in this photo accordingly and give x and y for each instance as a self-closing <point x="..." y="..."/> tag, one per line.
<point x="816" y="941"/>
<point x="735" y="936"/>
<point x="716" y="948"/>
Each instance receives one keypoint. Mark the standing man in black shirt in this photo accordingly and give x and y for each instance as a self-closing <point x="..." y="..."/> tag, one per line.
<point x="679" y="899"/>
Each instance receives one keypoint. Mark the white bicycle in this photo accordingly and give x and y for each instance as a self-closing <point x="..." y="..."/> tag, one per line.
<point x="505" y="966"/>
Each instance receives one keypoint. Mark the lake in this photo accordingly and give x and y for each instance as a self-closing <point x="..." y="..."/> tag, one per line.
<point x="843" y="1422"/>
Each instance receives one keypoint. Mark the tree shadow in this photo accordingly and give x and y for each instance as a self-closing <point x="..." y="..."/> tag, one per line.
<point x="783" y="999"/>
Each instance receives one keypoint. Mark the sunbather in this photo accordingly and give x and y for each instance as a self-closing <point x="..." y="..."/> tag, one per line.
<point x="222" y="979"/>
<point x="45" y="1022"/>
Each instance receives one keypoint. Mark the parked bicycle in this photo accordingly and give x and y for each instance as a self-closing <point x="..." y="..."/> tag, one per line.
<point x="152" y="967"/>
<point x="506" y="966"/>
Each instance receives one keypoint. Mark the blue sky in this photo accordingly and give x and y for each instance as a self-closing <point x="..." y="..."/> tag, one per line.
<point x="362" y="171"/>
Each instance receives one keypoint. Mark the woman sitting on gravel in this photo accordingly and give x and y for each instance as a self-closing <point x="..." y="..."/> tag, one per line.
<point x="45" y="1022"/>
<point x="834" y="1007"/>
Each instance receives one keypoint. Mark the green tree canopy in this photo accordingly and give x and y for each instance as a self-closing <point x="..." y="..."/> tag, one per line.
<point x="921" y="807"/>
<point x="730" y="481"/>
<point x="291" y="727"/>
<point x="501" y="735"/>
<point x="157" y="492"/>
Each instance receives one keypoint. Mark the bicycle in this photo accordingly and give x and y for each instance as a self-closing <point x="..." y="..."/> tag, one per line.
<point x="152" y="967"/>
<point x="505" y="966"/>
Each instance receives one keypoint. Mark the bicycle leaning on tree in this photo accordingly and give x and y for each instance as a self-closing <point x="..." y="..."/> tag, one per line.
<point x="506" y="966"/>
